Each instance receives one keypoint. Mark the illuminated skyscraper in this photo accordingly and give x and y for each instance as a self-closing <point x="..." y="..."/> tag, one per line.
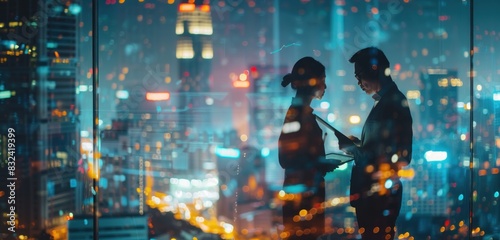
<point x="194" y="53"/>
<point x="38" y="68"/>
<point x="439" y="100"/>
<point x="435" y="160"/>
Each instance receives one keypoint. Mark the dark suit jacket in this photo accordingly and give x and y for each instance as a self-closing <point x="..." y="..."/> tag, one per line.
<point x="386" y="146"/>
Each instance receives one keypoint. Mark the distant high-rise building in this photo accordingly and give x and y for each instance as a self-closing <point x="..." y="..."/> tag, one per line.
<point x="268" y="102"/>
<point x="38" y="77"/>
<point x="439" y="97"/>
<point x="496" y="123"/>
<point x="194" y="54"/>
<point x="435" y="148"/>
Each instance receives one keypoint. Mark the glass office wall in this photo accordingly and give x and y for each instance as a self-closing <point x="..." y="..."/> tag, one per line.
<point x="159" y="119"/>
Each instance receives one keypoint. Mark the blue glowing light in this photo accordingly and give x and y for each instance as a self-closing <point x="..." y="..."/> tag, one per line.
<point x="418" y="101"/>
<point x="265" y="152"/>
<point x="324" y="105"/>
<point x="420" y="193"/>
<point x="72" y="183"/>
<point x="122" y="94"/>
<point x="5" y="94"/>
<point x="388" y="183"/>
<point x="227" y="152"/>
<point x="124" y="201"/>
<point x="75" y="9"/>
<point x="435" y="156"/>
<point x="496" y="96"/>
<point x="440" y="192"/>
<point x="103" y="182"/>
<point x="52" y="45"/>
<point x="496" y="194"/>
<point x="386" y="212"/>
<point x="460" y="197"/>
<point x="297" y="188"/>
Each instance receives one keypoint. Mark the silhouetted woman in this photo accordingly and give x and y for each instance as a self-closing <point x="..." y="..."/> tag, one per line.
<point x="301" y="151"/>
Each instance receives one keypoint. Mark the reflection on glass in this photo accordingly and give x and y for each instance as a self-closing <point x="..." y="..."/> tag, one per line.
<point x="191" y="108"/>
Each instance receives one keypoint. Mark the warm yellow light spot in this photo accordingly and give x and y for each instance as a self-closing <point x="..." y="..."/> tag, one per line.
<point x="157" y="96"/>
<point x="444" y="101"/>
<point x="244" y="138"/>
<point x="467" y="106"/>
<point x="187" y="7"/>
<point x="205" y="8"/>
<point x="281" y="194"/>
<point x="463" y="137"/>
<point x="406" y="173"/>
<point x="312" y="82"/>
<point x="303" y="212"/>
<point x="354" y="119"/>
<point x="369" y="168"/>
<point x="243" y="77"/>
<point x="241" y="84"/>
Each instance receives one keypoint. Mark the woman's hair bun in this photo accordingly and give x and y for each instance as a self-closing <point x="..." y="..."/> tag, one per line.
<point x="287" y="79"/>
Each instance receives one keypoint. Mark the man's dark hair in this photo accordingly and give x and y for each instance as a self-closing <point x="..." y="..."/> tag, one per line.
<point x="370" y="62"/>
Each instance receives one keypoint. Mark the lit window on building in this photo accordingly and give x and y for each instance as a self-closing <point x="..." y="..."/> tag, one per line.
<point x="207" y="52"/>
<point x="185" y="49"/>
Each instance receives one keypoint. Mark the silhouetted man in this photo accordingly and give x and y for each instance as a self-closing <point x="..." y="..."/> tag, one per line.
<point x="384" y="148"/>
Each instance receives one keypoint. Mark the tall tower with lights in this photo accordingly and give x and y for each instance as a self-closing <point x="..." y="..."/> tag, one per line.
<point x="439" y="103"/>
<point x="194" y="54"/>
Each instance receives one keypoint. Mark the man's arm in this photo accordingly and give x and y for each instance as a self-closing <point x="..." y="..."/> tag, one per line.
<point x="404" y="135"/>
